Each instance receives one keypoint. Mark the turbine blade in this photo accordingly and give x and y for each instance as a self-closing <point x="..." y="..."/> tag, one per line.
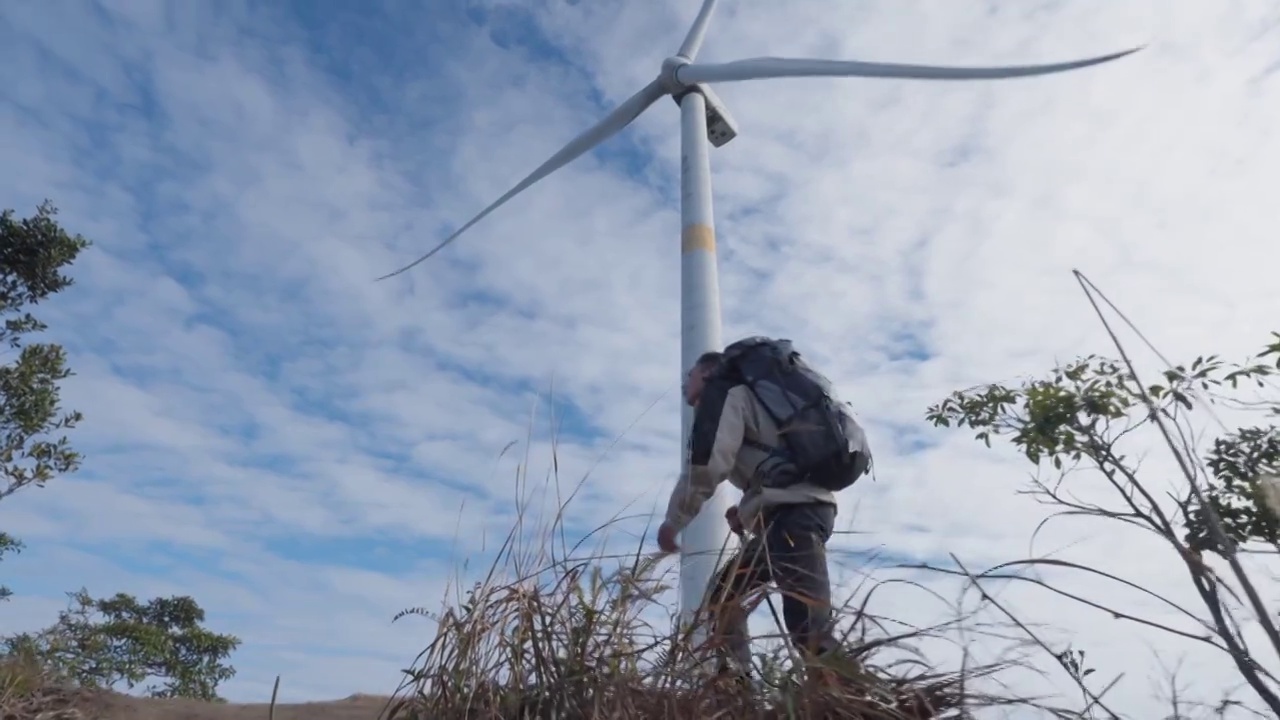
<point x="771" y="67"/>
<point x="698" y="31"/>
<point x="615" y="121"/>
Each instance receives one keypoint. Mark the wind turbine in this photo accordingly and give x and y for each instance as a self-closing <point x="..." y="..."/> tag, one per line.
<point x="704" y="121"/>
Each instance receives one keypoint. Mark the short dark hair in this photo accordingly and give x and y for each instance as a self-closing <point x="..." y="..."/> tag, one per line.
<point x="708" y="360"/>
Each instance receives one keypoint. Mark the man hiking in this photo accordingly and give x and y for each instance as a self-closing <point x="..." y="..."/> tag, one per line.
<point x="770" y="425"/>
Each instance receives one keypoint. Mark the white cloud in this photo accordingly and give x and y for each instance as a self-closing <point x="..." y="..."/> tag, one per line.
<point x="249" y="393"/>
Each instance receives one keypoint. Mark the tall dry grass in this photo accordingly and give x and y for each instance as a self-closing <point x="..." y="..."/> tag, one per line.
<point x="554" y="630"/>
<point x="29" y="690"/>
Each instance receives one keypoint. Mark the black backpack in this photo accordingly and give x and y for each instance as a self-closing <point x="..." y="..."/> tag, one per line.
<point x="822" y="444"/>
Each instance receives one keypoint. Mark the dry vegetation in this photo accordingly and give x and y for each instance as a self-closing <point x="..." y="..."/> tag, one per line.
<point x="553" y="636"/>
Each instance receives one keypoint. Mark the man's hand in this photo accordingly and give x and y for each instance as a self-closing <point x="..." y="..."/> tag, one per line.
<point x="735" y="522"/>
<point x="667" y="538"/>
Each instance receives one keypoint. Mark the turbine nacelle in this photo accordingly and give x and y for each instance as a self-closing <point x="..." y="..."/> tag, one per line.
<point x="721" y="127"/>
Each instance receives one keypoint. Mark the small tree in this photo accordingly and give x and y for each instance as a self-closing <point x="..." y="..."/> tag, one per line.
<point x="33" y="253"/>
<point x="105" y="643"/>
<point x="1078" y="418"/>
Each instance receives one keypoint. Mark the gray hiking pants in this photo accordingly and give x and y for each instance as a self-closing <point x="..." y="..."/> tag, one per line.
<point x="787" y="548"/>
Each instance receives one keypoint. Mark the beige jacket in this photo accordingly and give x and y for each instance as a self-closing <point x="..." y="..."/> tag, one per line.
<point x="740" y="417"/>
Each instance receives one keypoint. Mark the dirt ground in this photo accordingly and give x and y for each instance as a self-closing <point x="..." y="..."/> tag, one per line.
<point x="122" y="707"/>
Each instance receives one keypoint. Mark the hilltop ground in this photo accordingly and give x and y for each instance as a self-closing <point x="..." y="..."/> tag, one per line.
<point x="123" y="707"/>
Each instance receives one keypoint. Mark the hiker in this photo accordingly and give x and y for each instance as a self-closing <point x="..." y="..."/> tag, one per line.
<point x="788" y="508"/>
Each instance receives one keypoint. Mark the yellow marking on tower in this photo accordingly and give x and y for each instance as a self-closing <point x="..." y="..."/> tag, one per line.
<point x="697" y="237"/>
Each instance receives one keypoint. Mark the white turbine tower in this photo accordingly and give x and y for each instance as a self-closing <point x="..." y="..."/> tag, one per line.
<point x="704" y="120"/>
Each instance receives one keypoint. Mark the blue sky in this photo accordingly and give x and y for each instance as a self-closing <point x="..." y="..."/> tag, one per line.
<point x="272" y="432"/>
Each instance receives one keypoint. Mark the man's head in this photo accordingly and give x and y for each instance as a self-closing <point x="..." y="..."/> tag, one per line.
<point x="697" y="377"/>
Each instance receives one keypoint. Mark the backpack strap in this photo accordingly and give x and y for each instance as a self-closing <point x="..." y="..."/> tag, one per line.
<point x="777" y="469"/>
<point x="706" y="420"/>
